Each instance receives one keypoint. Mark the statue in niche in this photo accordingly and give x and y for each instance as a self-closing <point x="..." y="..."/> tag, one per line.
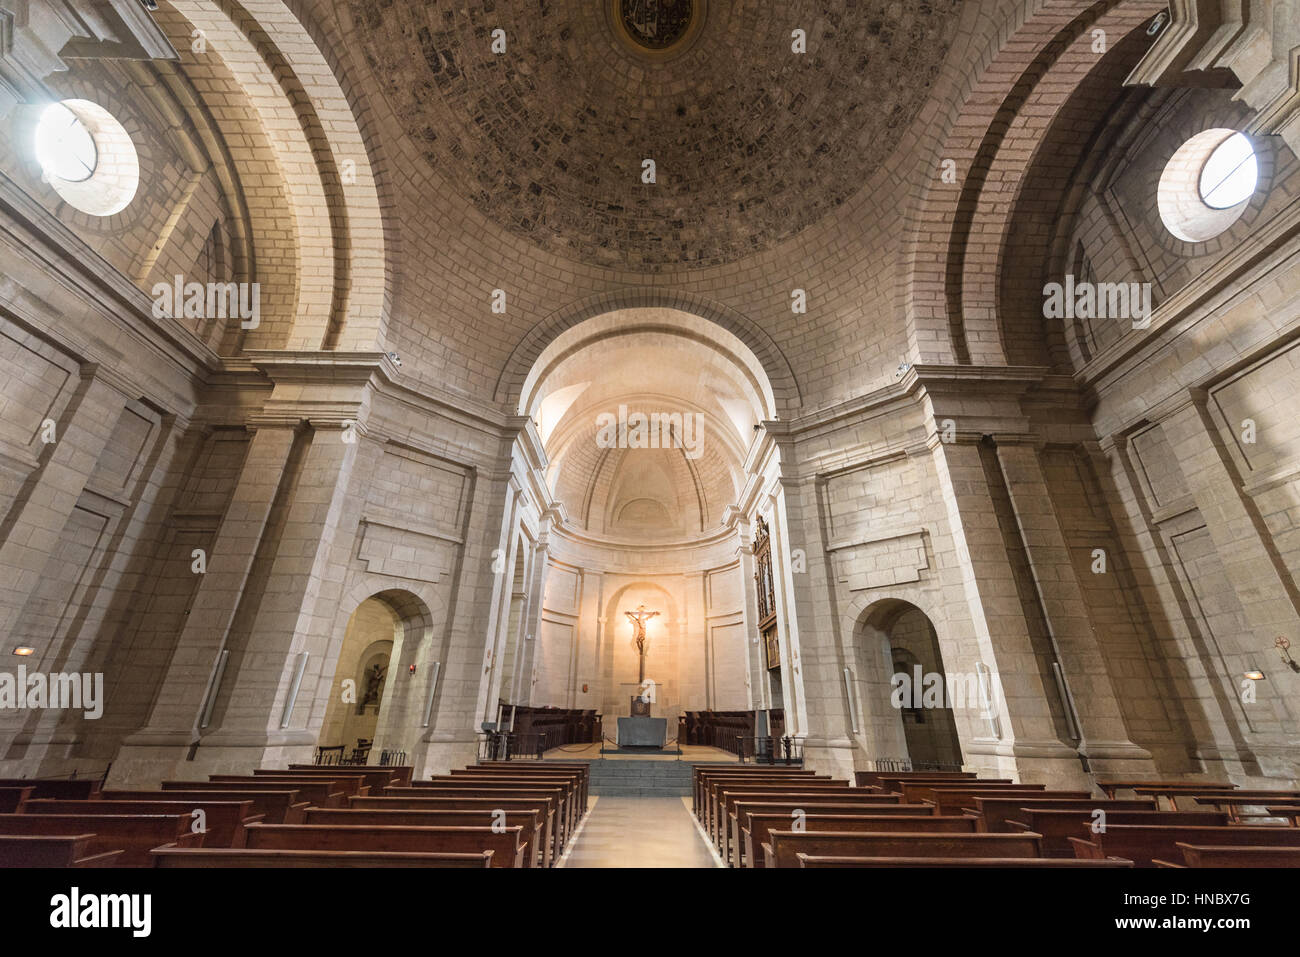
<point x="374" y="685"/>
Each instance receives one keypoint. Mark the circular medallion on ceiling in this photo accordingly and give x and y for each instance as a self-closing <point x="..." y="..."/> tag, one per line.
<point x="657" y="25"/>
<point x="543" y="115"/>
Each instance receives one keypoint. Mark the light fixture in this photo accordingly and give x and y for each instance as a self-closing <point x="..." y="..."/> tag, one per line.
<point x="24" y="650"/>
<point x="1254" y="675"/>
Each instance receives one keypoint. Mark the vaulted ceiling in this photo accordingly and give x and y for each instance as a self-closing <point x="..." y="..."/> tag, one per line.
<point x="649" y="362"/>
<point x="751" y="141"/>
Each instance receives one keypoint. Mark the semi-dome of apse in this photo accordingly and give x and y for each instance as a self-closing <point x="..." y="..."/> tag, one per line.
<point x="751" y="141"/>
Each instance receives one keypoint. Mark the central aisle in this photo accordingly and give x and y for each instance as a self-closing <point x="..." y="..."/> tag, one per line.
<point x="640" y="832"/>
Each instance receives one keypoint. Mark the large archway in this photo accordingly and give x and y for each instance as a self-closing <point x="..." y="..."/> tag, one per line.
<point x="909" y="698"/>
<point x="640" y="491"/>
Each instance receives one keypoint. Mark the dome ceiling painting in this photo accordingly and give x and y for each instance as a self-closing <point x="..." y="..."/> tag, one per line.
<point x="751" y="142"/>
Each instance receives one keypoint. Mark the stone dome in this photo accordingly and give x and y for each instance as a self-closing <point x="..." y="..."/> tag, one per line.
<point x="751" y="141"/>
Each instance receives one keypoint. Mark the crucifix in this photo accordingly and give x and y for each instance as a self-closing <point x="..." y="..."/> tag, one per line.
<point x="638" y="619"/>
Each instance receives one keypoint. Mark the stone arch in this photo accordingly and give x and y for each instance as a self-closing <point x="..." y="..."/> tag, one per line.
<point x="524" y="357"/>
<point x="954" y="249"/>
<point x="417" y="615"/>
<point x="882" y="629"/>
<point x="621" y="652"/>
<point x="340" y="235"/>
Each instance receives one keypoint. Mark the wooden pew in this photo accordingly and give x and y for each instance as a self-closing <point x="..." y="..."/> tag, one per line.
<point x="568" y="779"/>
<point x="499" y="791"/>
<point x="244" y="857"/>
<point x="806" y="860"/>
<point x="927" y="790"/>
<point x="507" y="843"/>
<point x="701" y="774"/>
<point x="319" y="793"/>
<point x="225" y="820"/>
<point x="544" y="805"/>
<point x="583" y="768"/>
<point x="956" y="802"/>
<point x="1290" y="812"/>
<point x="399" y="774"/>
<point x="53" y="850"/>
<point x="866" y="803"/>
<point x="344" y="786"/>
<point x="11" y="799"/>
<point x="76" y="789"/>
<point x="1142" y="844"/>
<point x="996" y="812"/>
<point x="1058" y="826"/>
<point x="135" y="835"/>
<point x="783" y="847"/>
<point x="275" y="807"/>
<point x="1199" y="855"/>
<point x="531" y="822"/>
<point x="715" y="817"/>
<point x="376" y="779"/>
<point x="1233" y="802"/>
<point x="759" y="827"/>
<point x="1166" y="789"/>
<point x="728" y="842"/>
<point x="866" y="779"/>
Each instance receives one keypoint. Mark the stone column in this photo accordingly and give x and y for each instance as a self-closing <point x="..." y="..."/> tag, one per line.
<point x="295" y="616"/>
<point x="812" y="665"/>
<point x="451" y="738"/>
<point x="158" y="750"/>
<point x="1104" y="738"/>
<point x="35" y="522"/>
<point x="1263" y="582"/>
<point x="1030" y="744"/>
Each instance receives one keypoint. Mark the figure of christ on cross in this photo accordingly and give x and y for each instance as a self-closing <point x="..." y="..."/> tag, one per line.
<point x="638" y="619"/>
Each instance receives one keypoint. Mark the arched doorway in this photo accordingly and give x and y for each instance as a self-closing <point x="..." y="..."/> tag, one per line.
<point x="909" y="696"/>
<point x="360" y="677"/>
<point x="385" y="676"/>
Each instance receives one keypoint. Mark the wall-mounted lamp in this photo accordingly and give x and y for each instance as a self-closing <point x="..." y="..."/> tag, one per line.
<point x="1253" y="675"/>
<point x="1283" y="645"/>
<point x="24" y="650"/>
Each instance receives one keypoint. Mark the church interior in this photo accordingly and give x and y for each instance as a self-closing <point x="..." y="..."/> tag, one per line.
<point x="660" y="433"/>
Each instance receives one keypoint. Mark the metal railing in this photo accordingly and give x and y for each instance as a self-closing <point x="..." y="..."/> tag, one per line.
<point x="333" y="756"/>
<point x="511" y="745"/>
<point x="904" y="765"/>
<point x="765" y="749"/>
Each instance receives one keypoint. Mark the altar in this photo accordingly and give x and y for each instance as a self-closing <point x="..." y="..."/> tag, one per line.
<point x="642" y="732"/>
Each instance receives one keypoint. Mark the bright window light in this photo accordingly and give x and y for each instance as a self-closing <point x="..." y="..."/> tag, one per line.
<point x="64" y="147"/>
<point x="1231" y="173"/>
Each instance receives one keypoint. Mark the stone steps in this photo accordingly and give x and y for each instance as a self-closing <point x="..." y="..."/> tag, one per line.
<point x="632" y="778"/>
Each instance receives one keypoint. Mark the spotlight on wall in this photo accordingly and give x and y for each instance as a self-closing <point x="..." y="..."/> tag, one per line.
<point x="902" y="369"/>
<point x="1254" y="675"/>
<point x="1283" y="645"/>
<point x="1158" y="23"/>
<point x="396" y="359"/>
<point x="24" y="650"/>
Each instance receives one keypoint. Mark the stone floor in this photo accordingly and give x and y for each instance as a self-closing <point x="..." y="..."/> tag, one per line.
<point x="639" y="832"/>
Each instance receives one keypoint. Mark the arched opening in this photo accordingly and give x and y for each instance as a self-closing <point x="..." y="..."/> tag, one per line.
<point x="642" y="488"/>
<point x="910" y="697"/>
<point x="352" y="714"/>
<point x="383" y="681"/>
